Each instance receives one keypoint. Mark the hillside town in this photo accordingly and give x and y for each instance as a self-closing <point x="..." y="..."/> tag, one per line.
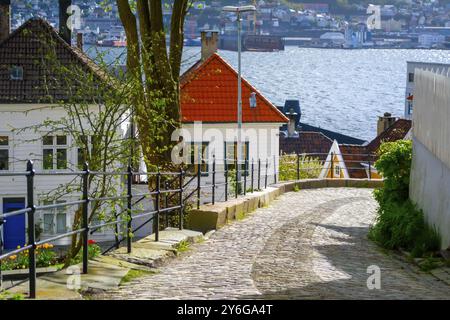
<point x="330" y="23"/>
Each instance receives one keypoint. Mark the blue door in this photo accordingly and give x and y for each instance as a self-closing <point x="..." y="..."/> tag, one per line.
<point x="14" y="227"/>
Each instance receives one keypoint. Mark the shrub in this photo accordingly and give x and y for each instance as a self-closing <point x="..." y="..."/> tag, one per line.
<point x="94" y="250"/>
<point x="399" y="223"/>
<point x="45" y="257"/>
<point x="310" y="167"/>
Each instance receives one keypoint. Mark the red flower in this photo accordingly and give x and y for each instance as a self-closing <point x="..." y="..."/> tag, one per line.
<point x="91" y="242"/>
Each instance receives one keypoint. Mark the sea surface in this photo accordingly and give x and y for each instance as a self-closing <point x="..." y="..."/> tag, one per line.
<point x="341" y="90"/>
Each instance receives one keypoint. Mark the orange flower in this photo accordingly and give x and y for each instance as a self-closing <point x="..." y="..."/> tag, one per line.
<point x="14" y="257"/>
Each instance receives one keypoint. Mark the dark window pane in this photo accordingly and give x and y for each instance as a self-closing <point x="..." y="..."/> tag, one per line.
<point x="3" y="140"/>
<point x="4" y="158"/>
<point x="47" y="140"/>
<point x="16" y="73"/>
<point x="61" y="140"/>
<point x="61" y="159"/>
<point x="48" y="159"/>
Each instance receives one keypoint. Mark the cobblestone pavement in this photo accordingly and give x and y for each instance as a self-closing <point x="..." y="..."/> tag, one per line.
<point x="310" y="244"/>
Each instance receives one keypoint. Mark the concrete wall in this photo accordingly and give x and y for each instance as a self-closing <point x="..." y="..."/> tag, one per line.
<point x="430" y="174"/>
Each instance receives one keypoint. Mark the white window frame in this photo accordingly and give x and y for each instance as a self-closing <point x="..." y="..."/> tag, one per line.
<point x="8" y="148"/>
<point x="54" y="213"/>
<point x="54" y="147"/>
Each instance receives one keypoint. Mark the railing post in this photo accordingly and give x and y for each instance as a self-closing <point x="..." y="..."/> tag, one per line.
<point x="274" y="169"/>
<point x="370" y="169"/>
<point x="253" y="167"/>
<point x="245" y="175"/>
<point x="298" y="166"/>
<point x="85" y="217"/>
<point x="31" y="232"/>
<point x="158" y="199"/>
<point x="259" y="174"/>
<point x="332" y="165"/>
<point x="214" y="180"/>
<point x="199" y="177"/>
<point x="129" y="201"/>
<point x="226" y="179"/>
<point x="265" y="179"/>
<point x="166" y="204"/>
<point x="180" y="222"/>
<point x="236" y="189"/>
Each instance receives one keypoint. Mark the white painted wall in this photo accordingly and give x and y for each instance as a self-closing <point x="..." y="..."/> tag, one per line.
<point x="430" y="174"/>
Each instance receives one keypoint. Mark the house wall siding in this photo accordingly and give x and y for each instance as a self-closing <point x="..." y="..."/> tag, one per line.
<point x="430" y="174"/>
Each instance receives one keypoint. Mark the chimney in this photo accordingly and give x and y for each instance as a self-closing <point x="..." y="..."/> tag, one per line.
<point x="292" y="115"/>
<point x="210" y="41"/>
<point x="64" y="30"/>
<point x="80" y="41"/>
<point x="384" y="122"/>
<point x="5" y="19"/>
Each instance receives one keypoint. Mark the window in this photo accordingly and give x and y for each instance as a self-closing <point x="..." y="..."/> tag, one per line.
<point x="54" y="220"/>
<point x="337" y="171"/>
<point x="231" y="155"/>
<point x="4" y="152"/>
<point x="16" y="73"/>
<point x="54" y="152"/>
<point x="411" y="77"/>
<point x="199" y="152"/>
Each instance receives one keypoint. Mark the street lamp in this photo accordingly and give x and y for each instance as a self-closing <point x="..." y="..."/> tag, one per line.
<point x="238" y="11"/>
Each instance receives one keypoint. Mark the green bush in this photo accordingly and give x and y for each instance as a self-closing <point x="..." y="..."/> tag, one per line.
<point x="399" y="223"/>
<point x="310" y="167"/>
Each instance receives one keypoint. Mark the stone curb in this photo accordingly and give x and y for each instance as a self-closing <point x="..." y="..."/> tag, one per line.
<point x="212" y="217"/>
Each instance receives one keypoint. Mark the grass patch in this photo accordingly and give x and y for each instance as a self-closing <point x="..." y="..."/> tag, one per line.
<point x="182" y="246"/>
<point x="296" y="188"/>
<point x="6" y="295"/>
<point x="134" y="273"/>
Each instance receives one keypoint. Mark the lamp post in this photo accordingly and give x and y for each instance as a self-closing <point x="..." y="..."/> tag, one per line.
<point x="238" y="11"/>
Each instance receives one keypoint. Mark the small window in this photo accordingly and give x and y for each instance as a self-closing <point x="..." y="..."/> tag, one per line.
<point x="4" y="152"/>
<point x="54" y="221"/>
<point x="411" y="77"/>
<point x="16" y="73"/>
<point x="54" y="152"/>
<point x="199" y="152"/>
<point x="231" y="156"/>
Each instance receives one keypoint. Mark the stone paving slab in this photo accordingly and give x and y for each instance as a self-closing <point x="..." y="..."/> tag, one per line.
<point x="310" y="244"/>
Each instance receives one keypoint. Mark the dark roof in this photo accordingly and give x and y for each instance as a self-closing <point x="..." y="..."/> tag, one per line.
<point x="353" y="156"/>
<point x="30" y="47"/>
<point x="306" y="142"/>
<point x="396" y="131"/>
<point x="340" y="138"/>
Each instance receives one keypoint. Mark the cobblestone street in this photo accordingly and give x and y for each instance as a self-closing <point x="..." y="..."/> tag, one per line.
<point x="310" y="244"/>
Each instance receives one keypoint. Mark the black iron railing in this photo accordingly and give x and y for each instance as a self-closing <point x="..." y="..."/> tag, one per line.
<point x="179" y="188"/>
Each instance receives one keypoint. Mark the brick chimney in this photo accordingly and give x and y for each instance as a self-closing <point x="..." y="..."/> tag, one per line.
<point x="210" y="41"/>
<point x="5" y="19"/>
<point x="64" y="31"/>
<point x="385" y="122"/>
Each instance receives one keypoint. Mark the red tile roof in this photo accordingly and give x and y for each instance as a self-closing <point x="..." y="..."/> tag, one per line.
<point x="396" y="131"/>
<point x="209" y="94"/>
<point x="353" y="156"/>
